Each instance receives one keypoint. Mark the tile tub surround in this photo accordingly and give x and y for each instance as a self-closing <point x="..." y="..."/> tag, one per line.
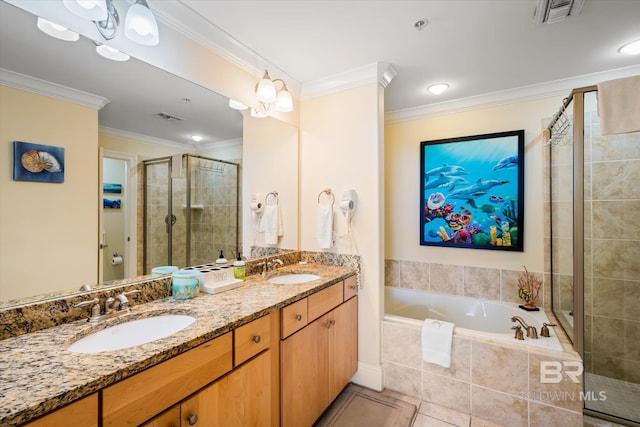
<point x="476" y="282"/>
<point x="38" y="375"/>
<point x="492" y="381"/>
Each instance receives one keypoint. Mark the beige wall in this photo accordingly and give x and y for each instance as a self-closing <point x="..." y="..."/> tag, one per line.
<point x="402" y="178"/>
<point x="66" y="213"/>
<point x="341" y="148"/>
<point x="269" y="162"/>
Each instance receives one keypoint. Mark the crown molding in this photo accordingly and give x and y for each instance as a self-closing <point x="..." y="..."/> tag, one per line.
<point x="511" y="96"/>
<point x="145" y="139"/>
<point x="52" y="90"/>
<point x="377" y="72"/>
<point x="183" y="19"/>
<point x="220" y="145"/>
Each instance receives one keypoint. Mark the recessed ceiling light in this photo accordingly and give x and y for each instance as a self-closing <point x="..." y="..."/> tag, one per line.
<point x="197" y="138"/>
<point x="632" y="48"/>
<point x="57" y="31"/>
<point x="438" y="88"/>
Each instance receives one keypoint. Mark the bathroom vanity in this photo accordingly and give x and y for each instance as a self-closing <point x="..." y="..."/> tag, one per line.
<point x="255" y="355"/>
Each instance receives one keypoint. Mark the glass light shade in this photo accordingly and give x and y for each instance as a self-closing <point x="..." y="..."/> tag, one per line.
<point x="140" y="26"/>
<point x="266" y="90"/>
<point x="57" y="31"/>
<point x="94" y="10"/>
<point x="197" y="138"/>
<point x="632" y="48"/>
<point x="111" y="53"/>
<point x="284" y="103"/>
<point x="437" y="89"/>
<point x="237" y="105"/>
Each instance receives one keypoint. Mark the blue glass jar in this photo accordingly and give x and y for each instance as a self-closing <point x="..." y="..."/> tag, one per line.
<point x="185" y="284"/>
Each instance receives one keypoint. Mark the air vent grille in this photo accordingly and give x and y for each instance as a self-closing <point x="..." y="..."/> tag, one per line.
<point x="550" y="11"/>
<point x="168" y="117"/>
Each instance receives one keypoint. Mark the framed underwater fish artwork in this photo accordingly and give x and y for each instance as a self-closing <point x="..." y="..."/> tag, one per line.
<point x="472" y="191"/>
<point x="37" y="162"/>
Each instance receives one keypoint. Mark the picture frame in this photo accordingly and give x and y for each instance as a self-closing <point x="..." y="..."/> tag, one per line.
<point x="37" y="162"/>
<point x="111" y="188"/>
<point x="472" y="192"/>
<point x="111" y="203"/>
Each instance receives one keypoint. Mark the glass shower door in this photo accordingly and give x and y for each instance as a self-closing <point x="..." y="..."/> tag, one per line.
<point x="158" y="216"/>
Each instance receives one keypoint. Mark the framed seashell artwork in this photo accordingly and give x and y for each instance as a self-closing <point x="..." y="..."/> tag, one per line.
<point x="37" y="162"/>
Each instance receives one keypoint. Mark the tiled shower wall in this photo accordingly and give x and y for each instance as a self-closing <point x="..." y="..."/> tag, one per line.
<point x="477" y="282"/>
<point x="612" y="251"/>
<point x="214" y="226"/>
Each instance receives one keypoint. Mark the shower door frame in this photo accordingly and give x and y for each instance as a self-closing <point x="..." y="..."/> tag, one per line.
<point x="577" y="96"/>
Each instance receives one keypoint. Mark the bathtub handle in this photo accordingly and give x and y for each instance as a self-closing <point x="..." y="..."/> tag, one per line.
<point x="544" y="331"/>
<point x="519" y="335"/>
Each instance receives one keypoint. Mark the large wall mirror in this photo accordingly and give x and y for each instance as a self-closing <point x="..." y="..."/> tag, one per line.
<point x="127" y="131"/>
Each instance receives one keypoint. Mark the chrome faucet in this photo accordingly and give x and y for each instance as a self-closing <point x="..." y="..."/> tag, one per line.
<point x="531" y="330"/>
<point x="273" y="264"/>
<point x="112" y="306"/>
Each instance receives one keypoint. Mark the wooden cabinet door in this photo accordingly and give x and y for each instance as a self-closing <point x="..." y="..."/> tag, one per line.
<point x="241" y="398"/>
<point x="169" y="418"/>
<point x="83" y="413"/>
<point x="299" y="378"/>
<point x="342" y="357"/>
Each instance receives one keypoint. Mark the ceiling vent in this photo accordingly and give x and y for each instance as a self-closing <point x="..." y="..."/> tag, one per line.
<point x="168" y="117"/>
<point x="550" y="11"/>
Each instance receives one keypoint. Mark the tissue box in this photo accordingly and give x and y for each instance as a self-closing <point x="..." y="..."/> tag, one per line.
<point x="217" y="279"/>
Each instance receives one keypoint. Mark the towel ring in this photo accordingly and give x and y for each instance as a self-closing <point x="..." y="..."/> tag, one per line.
<point x="273" y="193"/>
<point x="329" y="193"/>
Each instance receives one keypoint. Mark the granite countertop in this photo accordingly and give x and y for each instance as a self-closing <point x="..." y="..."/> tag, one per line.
<point x="38" y="374"/>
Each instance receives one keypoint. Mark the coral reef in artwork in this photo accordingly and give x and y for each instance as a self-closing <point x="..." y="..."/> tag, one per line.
<point x="528" y="288"/>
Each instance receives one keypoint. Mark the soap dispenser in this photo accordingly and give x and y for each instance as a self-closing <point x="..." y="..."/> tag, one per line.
<point x="239" y="268"/>
<point x="221" y="259"/>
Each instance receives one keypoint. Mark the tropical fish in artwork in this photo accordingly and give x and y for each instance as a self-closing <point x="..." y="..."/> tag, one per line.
<point x="444" y="180"/>
<point x="507" y="162"/>
<point x="447" y="170"/>
<point x="435" y="200"/>
<point x="479" y="188"/>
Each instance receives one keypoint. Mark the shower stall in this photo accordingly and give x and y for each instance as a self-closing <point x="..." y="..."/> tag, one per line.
<point x="594" y="206"/>
<point x="190" y="211"/>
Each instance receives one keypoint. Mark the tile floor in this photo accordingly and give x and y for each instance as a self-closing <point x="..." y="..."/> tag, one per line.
<point x="432" y="415"/>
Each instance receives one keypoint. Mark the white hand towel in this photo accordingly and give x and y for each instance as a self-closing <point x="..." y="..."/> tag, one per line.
<point x="437" y="337"/>
<point x="619" y="105"/>
<point x="272" y="224"/>
<point x="325" y="226"/>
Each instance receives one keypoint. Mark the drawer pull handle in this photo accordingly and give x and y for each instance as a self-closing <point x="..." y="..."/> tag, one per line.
<point x="192" y="419"/>
<point x="298" y="317"/>
<point x="353" y="286"/>
<point x="256" y="339"/>
<point x="330" y="323"/>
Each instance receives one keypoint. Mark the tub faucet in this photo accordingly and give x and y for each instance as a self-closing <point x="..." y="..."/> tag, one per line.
<point x="531" y="330"/>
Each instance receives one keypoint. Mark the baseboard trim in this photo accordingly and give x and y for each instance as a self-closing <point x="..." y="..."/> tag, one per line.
<point x="369" y="376"/>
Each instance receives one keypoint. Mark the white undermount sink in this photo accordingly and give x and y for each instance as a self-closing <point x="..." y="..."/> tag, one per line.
<point x="132" y="333"/>
<point x="293" y="279"/>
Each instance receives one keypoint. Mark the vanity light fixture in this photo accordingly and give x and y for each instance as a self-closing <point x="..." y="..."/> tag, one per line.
<point x="140" y="25"/>
<point x="237" y="105"/>
<point x="632" y="48"/>
<point x="111" y="53"/>
<point x="438" y="88"/>
<point x="267" y="94"/>
<point x="258" y="114"/>
<point x="57" y="31"/>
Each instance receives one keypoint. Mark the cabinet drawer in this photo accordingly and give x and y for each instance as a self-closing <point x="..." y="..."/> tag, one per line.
<point x="251" y="339"/>
<point x="294" y="317"/>
<point x="325" y="300"/>
<point x="138" y="398"/>
<point x="350" y="287"/>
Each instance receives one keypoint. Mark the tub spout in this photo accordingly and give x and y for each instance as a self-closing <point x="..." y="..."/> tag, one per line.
<point x="519" y="320"/>
<point x="531" y="330"/>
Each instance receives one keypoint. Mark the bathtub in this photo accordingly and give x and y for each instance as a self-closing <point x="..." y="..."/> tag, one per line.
<point x="472" y="317"/>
